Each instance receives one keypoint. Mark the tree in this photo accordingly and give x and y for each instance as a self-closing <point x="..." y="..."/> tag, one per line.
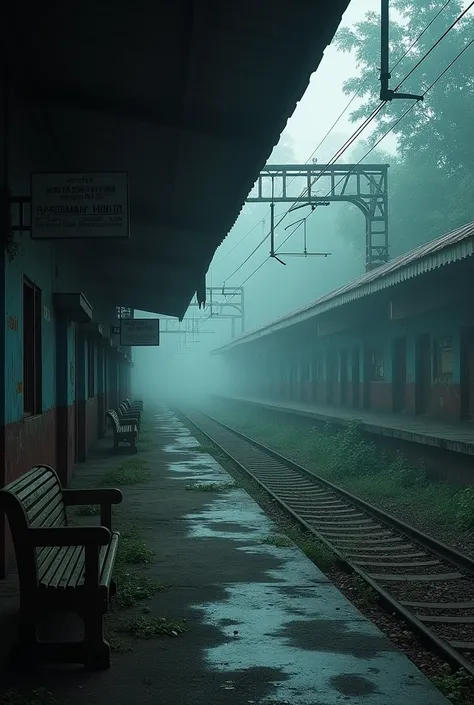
<point x="438" y="124"/>
<point x="431" y="180"/>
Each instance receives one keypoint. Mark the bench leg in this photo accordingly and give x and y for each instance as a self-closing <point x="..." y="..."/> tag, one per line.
<point x="24" y="652"/>
<point x="96" y="649"/>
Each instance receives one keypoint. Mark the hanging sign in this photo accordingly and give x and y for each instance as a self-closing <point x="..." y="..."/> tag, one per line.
<point x="139" y="331"/>
<point x="86" y="205"/>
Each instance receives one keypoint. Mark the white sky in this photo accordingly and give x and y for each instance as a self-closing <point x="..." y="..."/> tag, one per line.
<point x="324" y="99"/>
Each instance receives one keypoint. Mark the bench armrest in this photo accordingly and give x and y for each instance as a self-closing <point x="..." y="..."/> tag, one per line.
<point x="93" y="495"/>
<point x="69" y="536"/>
<point x="104" y="496"/>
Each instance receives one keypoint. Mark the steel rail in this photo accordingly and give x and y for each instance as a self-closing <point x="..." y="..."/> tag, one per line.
<point x="448" y="554"/>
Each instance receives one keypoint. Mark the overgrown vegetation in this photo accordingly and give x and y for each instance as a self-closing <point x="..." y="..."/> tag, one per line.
<point x="133" y="586"/>
<point x="130" y="472"/>
<point x="132" y="548"/>
<point x="344" y="457"/>
<point x="278" y="540"/>
<point x="151" y="626"/>
<point x="211" y="486"/>
<point x="458" y="687"/>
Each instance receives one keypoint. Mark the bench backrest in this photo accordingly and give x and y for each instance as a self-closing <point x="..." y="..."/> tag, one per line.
<point x="112" y="414"/>
<point x="127" y="403"/>
<point x="34" y="500"/>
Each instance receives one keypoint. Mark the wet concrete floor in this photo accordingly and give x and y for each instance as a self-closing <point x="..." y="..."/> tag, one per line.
<point x="264" y="624"/>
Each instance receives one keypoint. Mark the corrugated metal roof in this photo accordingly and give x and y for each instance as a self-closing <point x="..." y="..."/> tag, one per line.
<point x="455" y="245"/>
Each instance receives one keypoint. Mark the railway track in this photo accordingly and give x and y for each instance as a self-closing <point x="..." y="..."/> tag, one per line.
<point x="425" y="581"/>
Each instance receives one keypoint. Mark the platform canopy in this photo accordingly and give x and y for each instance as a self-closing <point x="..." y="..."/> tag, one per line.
<point x="189" y="97"/>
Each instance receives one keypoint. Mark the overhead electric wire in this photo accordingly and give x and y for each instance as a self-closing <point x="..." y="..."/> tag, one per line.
<point x="366" y="122"/>
<point x="336" y="122"/>
<point x="382" y="137"/>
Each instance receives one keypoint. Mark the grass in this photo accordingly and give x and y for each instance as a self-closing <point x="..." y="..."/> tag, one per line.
<point x="130" y="472"/>
<point x="132" y="548"/>
<point x="211" y="486"/>
<point x="151" y="626"/>
<point x="345" y="458"/>
<point x="133" y="586"/>
<point x="278" y="540"/>
<point x="457" y="686"/>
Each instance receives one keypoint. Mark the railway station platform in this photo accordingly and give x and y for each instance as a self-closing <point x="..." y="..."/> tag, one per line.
<point x="263" y="624"/>
<point x="414" y="429"/>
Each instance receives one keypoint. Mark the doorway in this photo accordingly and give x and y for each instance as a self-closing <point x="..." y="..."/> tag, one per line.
<point x="399" y="373"/>
<point x="355" y="377"/>
<point x="423" y="374"/>
<point x="367" y="374"/>
<point x="467" y="375"/>
<point x="344" y="376"/>
<point x="331" y="371"/>
<point x="76" y="395"/>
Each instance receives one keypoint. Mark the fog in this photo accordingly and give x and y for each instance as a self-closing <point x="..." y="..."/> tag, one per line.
<point x="431" y="157"/>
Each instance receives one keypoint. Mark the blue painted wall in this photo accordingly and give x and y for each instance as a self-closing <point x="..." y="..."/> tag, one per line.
<point x="34" y="263"/>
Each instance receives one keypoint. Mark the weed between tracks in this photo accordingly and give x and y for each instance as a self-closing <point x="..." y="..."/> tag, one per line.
<point x="344" y="457"/>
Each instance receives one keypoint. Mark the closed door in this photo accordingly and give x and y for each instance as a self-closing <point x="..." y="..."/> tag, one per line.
<point x="344" y="377"/>
<point x="331" y="375"/>
<point x="467" y="375"/>
<point x="423" y="374"/>
<point x="399" y="373"/>
<point x="355" y="377"/>
<point x="367" y="378"/>
<point x="76" y="399"/>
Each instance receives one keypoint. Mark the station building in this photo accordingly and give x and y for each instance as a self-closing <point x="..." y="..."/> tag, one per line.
<point x="397" y="340"/>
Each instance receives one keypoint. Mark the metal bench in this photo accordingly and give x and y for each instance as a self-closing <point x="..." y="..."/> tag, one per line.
<point x="126" y="432"/>
<point x="61" y="568"/>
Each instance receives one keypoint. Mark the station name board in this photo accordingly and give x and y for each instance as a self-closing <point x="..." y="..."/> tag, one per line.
<point x="139" y="331"/>
<point x="86" y="205"/>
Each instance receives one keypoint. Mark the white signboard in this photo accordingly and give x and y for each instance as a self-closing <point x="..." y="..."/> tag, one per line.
<point x="93" y="205"/>
<point x="139" y="331"/>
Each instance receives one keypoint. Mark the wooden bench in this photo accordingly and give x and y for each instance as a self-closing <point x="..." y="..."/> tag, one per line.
<point x="133" y="404"/>
<point x="61" y="568"/>
<point x="127" y="432"/>
<point x="128" y="417"/>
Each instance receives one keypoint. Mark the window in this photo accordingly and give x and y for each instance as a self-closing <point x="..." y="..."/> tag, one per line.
<point x="32" y="352"/>
<point x="443" y="360"/>
<point x="90" y="369"/>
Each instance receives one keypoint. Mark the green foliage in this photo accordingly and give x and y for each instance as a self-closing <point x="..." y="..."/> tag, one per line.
<point x="211" y="486"/>
<point x="132" y="549"/>
<point x="431" y="179"/>
<point x="132" y="586"/>
<point x="457" y="686"/>
<point x="151" y="627"/>
<point x="130" y="472"/>
<point x="344" y="457"/>
<point x="279" y="540"/>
